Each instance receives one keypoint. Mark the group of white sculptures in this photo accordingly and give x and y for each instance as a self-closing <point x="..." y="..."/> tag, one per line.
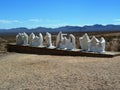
<point x="62" y="42"/>
<point x="93" y="45"/>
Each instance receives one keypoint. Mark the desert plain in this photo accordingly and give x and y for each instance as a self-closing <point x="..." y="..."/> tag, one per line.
<point x="46" y="72"/>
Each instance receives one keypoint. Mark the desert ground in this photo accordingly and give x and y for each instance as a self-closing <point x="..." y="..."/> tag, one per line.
<point x="46" y="72"/>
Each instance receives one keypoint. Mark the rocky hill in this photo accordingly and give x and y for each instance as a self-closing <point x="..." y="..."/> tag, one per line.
<point x="93" y="28"/>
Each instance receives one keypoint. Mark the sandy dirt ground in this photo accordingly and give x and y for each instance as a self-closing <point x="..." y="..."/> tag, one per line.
<point x="46" y="72"/>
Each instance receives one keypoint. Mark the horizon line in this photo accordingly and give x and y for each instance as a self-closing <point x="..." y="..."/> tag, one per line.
<point x="60" y="26"/>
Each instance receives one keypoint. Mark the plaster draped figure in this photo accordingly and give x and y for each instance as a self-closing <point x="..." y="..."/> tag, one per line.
<point x="100" y="47"/>
<point x="63" y="43"/>
<point x="35" y="42"/>
<point x="25" y="39"/>
<point x="48" y="40"/>
<point x="96" y="45"/>
<point x="22" y="39"/>
<point x="41" y="39"/>
<point x="67" y="44"/>
<point x="31" y="37"/>
<point x="102" y="44"/>
<point x="94" y="42"/>
<point x="19" y="40"/>
<point x="93" y="45"/>
<point x="72" y="40"/>
<point x="84" y="42"/>
<point x="59" y="39"/>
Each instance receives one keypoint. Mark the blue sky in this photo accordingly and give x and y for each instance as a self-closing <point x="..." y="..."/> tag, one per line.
<point x="56" y="13"/>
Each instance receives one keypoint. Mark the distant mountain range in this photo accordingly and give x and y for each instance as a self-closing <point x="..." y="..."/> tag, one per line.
<point x="93" y="28"/>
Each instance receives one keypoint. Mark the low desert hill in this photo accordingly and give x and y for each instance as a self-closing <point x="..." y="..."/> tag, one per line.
<point x="68" y="29"/>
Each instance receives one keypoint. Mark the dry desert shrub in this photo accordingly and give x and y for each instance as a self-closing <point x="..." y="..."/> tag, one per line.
<point x="3" y="44"/>
<point x="113" y="45"/>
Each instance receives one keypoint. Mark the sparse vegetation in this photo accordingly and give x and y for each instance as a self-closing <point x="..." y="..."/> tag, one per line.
<point x="3" y="44"/>
<point x="46" y="72"/>
<point x="112" y="40"/>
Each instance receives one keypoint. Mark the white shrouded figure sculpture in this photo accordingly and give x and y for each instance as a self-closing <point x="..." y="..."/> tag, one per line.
<point x="63" y="43"/>
<point x="59" y="39"/>
<point x="102" y="45"/>
<point x="93" y="45"/>
<point x="41" y="39"/>
<point x="19" y="40"/>
<point x="22" y="39"/>
<point x="31" y="37"/>
<point x="48" y="40"/>
<point x="84" y="42"/>
<point x="25" y="39"/>
<point x="72" y="40"/>
<point x="96" y="45"/>
<point x="35" y="42"/>
<point x="94" y="42"/>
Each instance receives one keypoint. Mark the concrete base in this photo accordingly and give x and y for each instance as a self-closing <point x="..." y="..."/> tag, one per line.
<point x="54" y="51"/>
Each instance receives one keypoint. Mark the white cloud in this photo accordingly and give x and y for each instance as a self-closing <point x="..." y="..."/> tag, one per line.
<point x="52" y="20"/>
<point x="116" y="23"/>
<point x="117" y="19"/>
<point x="35" y="20"/>
<point x="9" y="21"/>
<point x="55" y="25"/>
<point x="43" y="20"/>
